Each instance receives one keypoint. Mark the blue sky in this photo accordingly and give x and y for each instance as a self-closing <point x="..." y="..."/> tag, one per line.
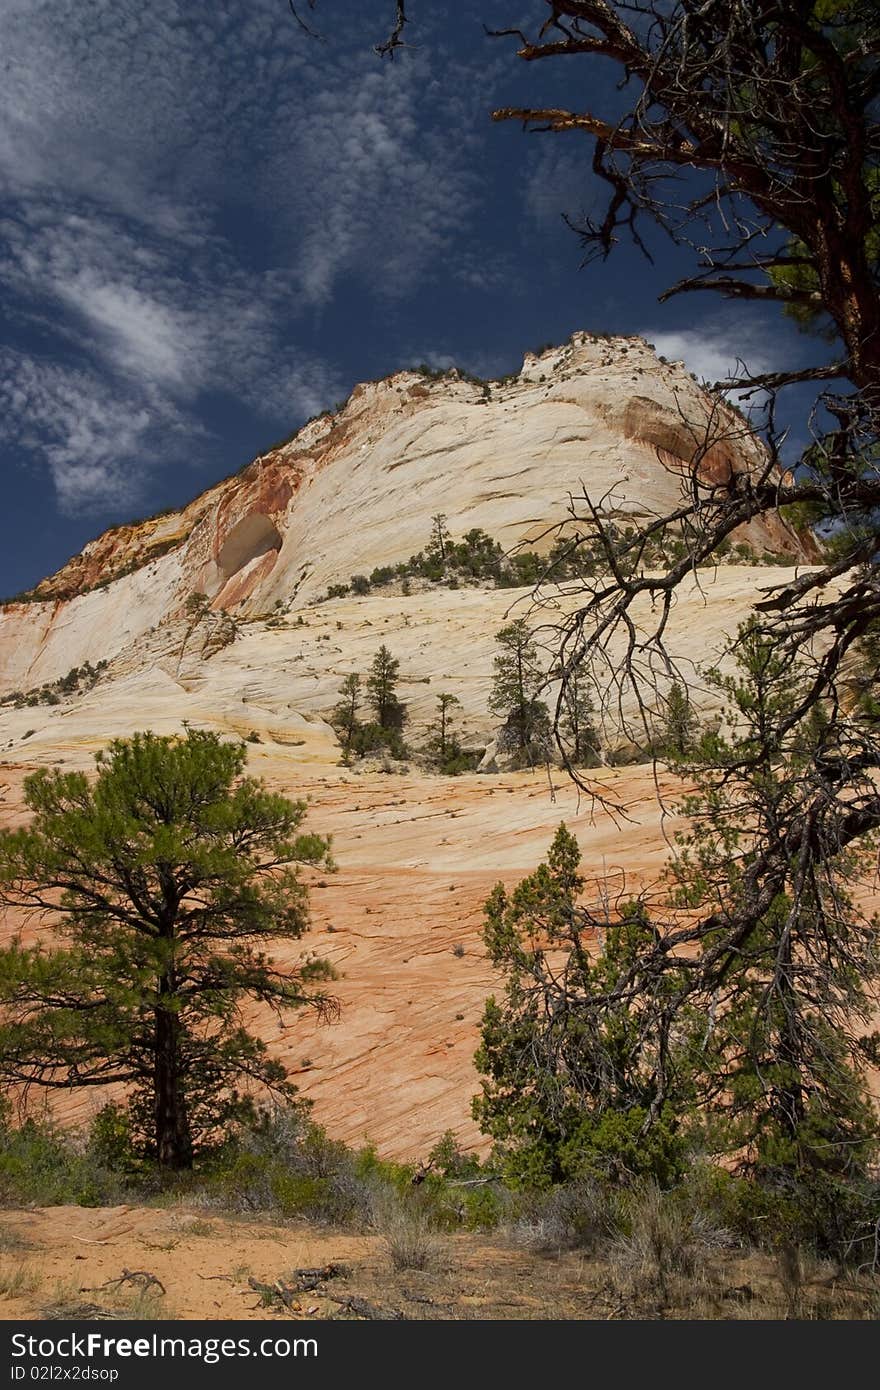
<point x="212" y="226"/>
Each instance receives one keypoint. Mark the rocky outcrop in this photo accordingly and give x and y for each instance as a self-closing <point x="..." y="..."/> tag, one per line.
<point x="357" y="489"/>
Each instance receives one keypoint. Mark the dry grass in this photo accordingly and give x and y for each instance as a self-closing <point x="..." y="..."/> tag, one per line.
<point x="409" y="1237"/>
<point x="12" y="1242"/>
<point x="656" y="1262"/>
<point x="67" y="1303"/>
<point x="197" y="1228"/>
<point x="668" y="1248"/>
<point x="18" y="1280"/>
<point x="579" y="1216"/>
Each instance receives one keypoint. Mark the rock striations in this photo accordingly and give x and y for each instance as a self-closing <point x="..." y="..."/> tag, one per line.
<point x="417" y="853"/>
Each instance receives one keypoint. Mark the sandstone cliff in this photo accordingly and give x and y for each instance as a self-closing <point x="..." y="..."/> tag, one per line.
<point x="357" y="489"/>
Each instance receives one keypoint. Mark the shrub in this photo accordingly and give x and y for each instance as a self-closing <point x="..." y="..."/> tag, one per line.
<point x="382" y="574"/>
<point x="664" y="1238"/>
<point x="410" y="1235"/>
<point x="572" y="1216"/>
<point x="41" y="1165"/>
<point x="372" y="738"/>
<point x="287" y="1164"/>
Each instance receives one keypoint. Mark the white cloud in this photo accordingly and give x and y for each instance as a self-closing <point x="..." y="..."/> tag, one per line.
<point x="716" y="353"/>
<point x="146" y="338"/>
<point x="294" y="384"/>
<point x="160" y="114"/>
<point x="366" y="187"/>
<point x="88" y="435"/>
<point x="557" y="183"/>
<point x="130" y="136"/>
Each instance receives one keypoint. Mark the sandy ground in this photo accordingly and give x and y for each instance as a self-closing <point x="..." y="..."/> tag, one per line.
<point x="182" y="1263"/>
<point x="69" y="1259"/>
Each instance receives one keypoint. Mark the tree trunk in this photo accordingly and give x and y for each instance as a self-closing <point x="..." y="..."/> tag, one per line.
<point x="174" y="1147"/>
<point x="789" y="1100"/>
<point x="521" y="696"/>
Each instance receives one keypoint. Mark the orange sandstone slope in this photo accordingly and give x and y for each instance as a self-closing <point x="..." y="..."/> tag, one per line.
<point x="401" y="921"/>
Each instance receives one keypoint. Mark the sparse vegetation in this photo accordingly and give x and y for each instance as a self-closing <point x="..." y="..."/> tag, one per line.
<point x="631" y="1252"/>
<point x="78" y="681"/>
<point x="479" y="561"/>
<point x="444" y="751"/>
<point x="408" y="1227"/>
<point x="383" y="733"/>
<point x="218" y="626"/>
<point x="18" y="1280"/>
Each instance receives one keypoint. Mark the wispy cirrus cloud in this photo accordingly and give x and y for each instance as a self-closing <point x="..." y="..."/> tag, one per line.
<point x="89" y="436"/>
<point x="557" y="184"/>
<point x="183" y="193"/>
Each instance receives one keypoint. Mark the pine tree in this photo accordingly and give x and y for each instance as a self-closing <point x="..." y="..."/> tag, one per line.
<point x="514" y="696"/>
<point x="569" y="1086"/>
<point x="344" y="718"/>
<point x="158" y="886"/>
<point x="576" y="723"/>
<point x="444" y="748"/>
<point x="389" y="712"/>
<point x="440" y="538"/>
<point x="680" y="724"/>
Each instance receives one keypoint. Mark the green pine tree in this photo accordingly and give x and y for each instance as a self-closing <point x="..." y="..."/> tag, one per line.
<point x="344" y="718"/>
<point x="681" y="725"/>
<point x="445" y="747"/>
<point x="155" y="890"/>
<point x="388" y="710"/>
<point x="440" y="538"/>
<point x="577" y="722"/>
<point x="514" y="696"/>
<point x="571" y="1086"/>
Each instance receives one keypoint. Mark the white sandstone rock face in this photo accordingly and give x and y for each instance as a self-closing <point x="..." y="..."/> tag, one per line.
<point x="280" y="679"/>
<point x="358" y="489"/>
